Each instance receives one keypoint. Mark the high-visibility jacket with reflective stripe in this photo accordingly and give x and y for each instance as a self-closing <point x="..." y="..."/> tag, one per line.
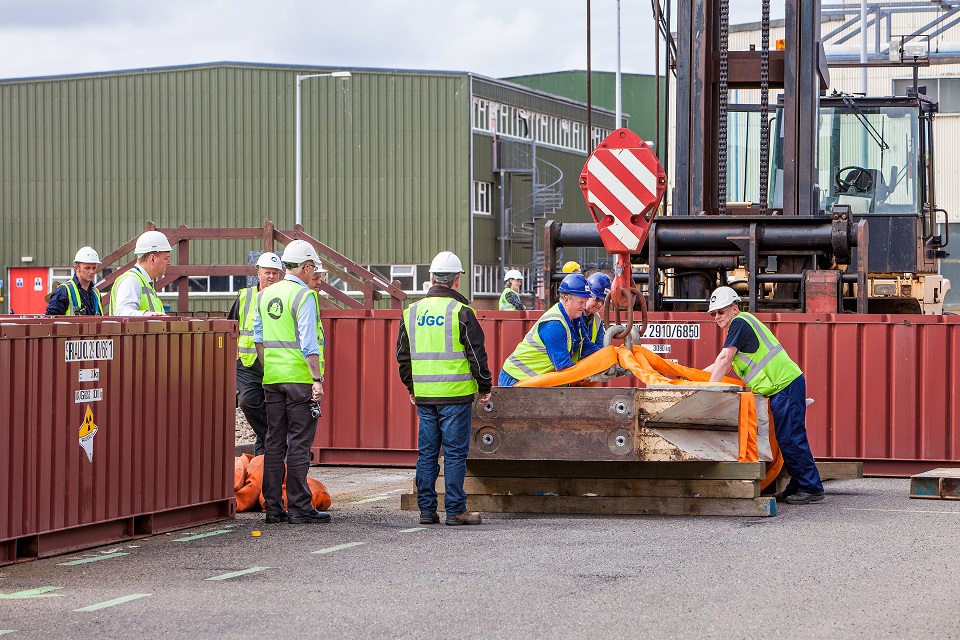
<point x="438" y="361"/>
<point x="769" y="370"/>
<point x="320" y="338"/>
<point x="506" y="305"/>
<point x="530" y="358"/>
<point x="593" y="323"/>
<point x="75" y="308"/>
<point x="283" y="361"/>
<point x="246" y="349"/>
<point x="149" y="300"/>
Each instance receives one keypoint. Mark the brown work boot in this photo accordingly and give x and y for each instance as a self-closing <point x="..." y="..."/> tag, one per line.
<point x="467" y="517"/>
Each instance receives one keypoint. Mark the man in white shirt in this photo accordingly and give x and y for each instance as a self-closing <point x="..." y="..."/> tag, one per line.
<point x="133" y="293"/>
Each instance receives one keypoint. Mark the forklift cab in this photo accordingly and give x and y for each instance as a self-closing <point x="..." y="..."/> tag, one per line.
<point x="875" y="156"/>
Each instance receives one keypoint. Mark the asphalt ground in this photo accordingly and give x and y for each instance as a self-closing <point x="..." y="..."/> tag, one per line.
<point x="868" y="562"/>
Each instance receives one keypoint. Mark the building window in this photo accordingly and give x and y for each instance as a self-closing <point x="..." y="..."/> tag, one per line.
<point x="406" y="274"/>
<point x="946" y="91"/>
<point x="488" y="279"/>
<point x="513" y="122"/>
<point x="482" y="197"/>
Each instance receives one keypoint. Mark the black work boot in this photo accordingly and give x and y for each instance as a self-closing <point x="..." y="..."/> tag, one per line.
<point x="429" y="518"/>
<point x="801" y="497"/>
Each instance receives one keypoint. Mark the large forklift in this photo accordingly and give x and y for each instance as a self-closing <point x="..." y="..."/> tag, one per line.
<point x="843" y="217"/>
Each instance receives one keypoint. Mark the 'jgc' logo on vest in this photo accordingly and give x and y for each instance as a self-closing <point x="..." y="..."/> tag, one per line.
<point x="430" y="321"/>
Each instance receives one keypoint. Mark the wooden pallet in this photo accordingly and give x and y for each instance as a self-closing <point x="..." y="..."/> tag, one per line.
<point x="613" y="488"/>
<point x="937" y="484"/>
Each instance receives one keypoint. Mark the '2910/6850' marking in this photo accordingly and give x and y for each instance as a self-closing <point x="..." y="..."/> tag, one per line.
<point x="689" y="331"/>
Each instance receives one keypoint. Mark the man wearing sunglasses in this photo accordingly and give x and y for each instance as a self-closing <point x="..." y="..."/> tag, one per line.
<point x="761" y="362"/>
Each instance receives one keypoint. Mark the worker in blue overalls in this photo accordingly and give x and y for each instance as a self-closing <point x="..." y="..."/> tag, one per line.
<point x="761" y="362"/>
<point x="555" y="342"/>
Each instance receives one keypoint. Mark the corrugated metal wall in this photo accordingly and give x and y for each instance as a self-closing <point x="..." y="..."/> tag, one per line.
<point x="638" y="98"/>
<point x="387" y="170"/>
<point x="159" y="452"/>
<point x="91" y="158"/>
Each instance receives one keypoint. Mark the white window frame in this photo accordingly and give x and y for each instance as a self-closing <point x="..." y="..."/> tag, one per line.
<point x="482" y="198"/>
<point x="511" y="121"/>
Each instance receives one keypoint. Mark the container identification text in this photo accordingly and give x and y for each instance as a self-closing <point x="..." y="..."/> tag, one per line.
<point x="80" y="350"/>
<point x="689" y="331"/>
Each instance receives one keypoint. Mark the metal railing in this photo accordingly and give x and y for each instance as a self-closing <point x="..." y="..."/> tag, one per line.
<point x="374" y="287"/>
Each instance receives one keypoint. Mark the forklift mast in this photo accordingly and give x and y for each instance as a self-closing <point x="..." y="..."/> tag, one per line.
<point x="800" y="241"/>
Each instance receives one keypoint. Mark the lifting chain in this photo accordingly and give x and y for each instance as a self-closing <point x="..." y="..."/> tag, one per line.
<point x="724" y="91"/>
<point x="764" y="105"/>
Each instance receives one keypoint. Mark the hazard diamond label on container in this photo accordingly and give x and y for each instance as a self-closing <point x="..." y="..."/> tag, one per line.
<point x="622" y="183"/>
<point x="88" y="430"/>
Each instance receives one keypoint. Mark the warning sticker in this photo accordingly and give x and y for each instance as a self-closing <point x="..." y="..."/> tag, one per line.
<point x="88" y="430"/>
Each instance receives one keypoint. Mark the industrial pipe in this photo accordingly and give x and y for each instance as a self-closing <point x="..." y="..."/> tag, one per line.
<point x="673" y="234"/>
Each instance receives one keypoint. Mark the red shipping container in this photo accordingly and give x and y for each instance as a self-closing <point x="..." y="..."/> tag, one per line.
<point x="112" y="429"/>
<point x="883" y="385"/>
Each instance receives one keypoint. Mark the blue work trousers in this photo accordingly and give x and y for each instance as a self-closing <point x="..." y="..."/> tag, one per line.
<point x="447" y="425"/>
<point x="789" y="410"/>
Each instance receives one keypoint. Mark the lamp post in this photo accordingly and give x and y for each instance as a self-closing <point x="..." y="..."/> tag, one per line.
<point x="344" y="75"/>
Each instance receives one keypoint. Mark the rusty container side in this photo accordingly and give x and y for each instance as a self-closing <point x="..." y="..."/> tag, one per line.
<point x="883" y="385"/>
<point x="162" y="453"/>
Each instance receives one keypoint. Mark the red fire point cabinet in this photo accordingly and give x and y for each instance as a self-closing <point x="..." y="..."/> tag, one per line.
<point x="111" y="429"/>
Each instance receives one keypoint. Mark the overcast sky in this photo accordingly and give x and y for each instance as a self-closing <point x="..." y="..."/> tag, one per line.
<point x="495" y="38"/>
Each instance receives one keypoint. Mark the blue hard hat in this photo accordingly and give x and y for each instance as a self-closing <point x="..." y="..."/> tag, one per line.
<point x="575" y="284"/>
<point x="599" y="284"/>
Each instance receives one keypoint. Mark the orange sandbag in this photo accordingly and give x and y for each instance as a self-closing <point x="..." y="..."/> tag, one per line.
<point x="319" y="497"/>
<point x="248" y="496"/>
<point x="240" y="471"/>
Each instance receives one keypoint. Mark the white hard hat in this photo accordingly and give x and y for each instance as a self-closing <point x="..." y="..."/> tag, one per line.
<point x="722" y="298"/>
<point x="446" y="262"/>
<point x="512" y="274"/>
<point x="87" y="255"/>
<point x="150" y="241"/>
<point x="269" y="260"/>
<point x="300" y="251"/>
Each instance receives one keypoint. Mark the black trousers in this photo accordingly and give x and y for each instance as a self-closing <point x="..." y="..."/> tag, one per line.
<point x="251" y="400"/>
<point x="289" y="439"/>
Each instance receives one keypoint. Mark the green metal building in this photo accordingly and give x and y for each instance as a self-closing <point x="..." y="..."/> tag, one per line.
<point x="397" y="165"/>
<point x="638" y="94"/>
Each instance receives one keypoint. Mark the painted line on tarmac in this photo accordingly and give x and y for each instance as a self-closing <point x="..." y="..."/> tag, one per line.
<point x="339" y="547"/>
<point x="114" y="602"/>
<point x="236" y="574"/>
<point x="376" y="499"/>
<point x="204" y="535"/>
<point x="4" y="632"/>
<point x="952" y="513"/>
<point x="71" y="563"/>
<point x="413" y="529"/>
<point x="39" y="592"/>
